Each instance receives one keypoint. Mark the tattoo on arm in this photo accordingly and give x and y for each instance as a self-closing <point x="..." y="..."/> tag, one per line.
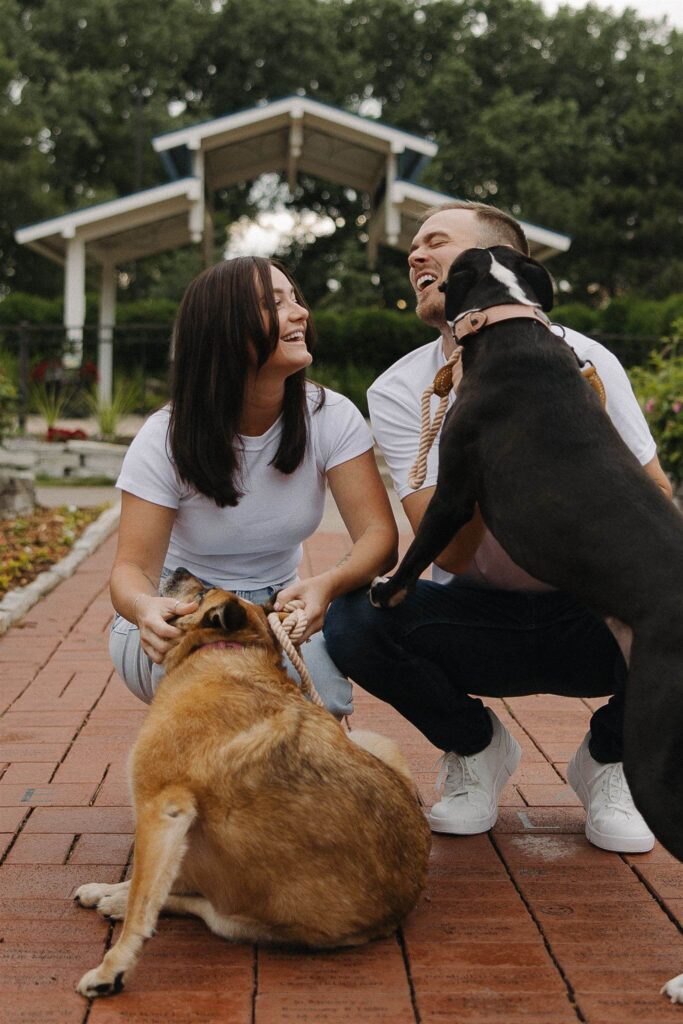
<point x="343" y="560"/>
<point x="154" y="586"/>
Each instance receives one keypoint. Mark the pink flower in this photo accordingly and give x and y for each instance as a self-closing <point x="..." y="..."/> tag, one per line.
<point x="649" y="405"/>
<point x="676" y="407"/>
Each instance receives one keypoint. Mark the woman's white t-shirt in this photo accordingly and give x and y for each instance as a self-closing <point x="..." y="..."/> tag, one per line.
<point x="257" y="543"/>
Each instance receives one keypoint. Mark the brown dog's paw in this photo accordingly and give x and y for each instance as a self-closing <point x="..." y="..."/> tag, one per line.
<point x="100" y="982"/>
<point x="90" y="894"/>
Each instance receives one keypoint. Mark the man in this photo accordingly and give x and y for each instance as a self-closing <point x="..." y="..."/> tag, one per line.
<point x="482" y="626"/>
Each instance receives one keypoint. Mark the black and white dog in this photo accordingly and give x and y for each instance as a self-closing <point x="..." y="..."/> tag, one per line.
<point x="529" y="441"/>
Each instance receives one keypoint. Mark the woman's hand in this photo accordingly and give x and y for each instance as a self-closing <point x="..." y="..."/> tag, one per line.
<point x="316" y="594"/>
<point x="152" y="613"/>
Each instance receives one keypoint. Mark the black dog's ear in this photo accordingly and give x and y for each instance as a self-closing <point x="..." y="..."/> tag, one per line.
<point x="229" y="616"/>
<point x="539" y="280"/>
<point x="456" y="288"/>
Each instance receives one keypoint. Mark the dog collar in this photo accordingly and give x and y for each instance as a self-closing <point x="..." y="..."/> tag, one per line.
<point x="476" y="319"/>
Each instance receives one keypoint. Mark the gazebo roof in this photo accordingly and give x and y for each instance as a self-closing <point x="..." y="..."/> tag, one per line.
<point x="411" y="201"/>
<point x="290" y="135"/>
<point x="128" y="228"/>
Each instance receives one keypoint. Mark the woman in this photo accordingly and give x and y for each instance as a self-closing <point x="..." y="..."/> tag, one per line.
<point x="229" y="478"/>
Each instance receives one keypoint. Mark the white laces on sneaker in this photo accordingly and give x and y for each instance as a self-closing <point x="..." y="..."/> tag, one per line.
<point x="456" y="774"/>
<point x="615" y="788"/>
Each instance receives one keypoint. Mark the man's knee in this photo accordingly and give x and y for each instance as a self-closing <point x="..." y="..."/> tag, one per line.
<point x="351" y="627"/>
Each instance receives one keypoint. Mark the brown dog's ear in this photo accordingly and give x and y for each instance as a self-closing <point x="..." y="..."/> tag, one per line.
<point x="456" y="288"/>
<point x="180" y="583"/>
<point x="539" y="280"/>
<point x="229" y="616"/>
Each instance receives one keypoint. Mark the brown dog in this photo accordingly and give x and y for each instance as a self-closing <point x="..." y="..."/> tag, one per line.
<point x="254" y="810"/>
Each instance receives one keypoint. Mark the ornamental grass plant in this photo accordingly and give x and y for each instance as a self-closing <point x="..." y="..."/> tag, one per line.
<point x="125" y="399"/>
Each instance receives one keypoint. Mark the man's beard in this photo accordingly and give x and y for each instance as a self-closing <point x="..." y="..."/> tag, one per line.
<point x="433" y="311"/>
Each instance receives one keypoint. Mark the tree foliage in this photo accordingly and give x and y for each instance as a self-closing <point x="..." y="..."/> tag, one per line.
<point x="570" y="120"/>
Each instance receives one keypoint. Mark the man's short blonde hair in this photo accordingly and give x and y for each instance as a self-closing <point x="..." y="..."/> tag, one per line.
<point x="496" y="227"/>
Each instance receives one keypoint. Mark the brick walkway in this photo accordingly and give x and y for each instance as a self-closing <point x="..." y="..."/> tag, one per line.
<point x="527" y="924"/>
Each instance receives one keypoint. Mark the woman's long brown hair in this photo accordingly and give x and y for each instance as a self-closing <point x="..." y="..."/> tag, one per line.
<point x="219" y="323"/>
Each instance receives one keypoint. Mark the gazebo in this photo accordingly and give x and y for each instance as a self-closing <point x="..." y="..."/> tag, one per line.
<point x="290" y="135"/>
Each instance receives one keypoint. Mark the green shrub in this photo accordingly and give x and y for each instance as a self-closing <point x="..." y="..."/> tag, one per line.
<point x="368" y="337"/>
<point x="659" y="388"/>
<point x="18" y="307"/>
<point x="673" y="311"/>
<point x="9" y="365"/>
<point x="8" y="404"/>
<point x="645" y="317"/>
<point x="352" y="381"/>
<point x="614" y="317"/>
<point x="147" y="311"/>
<point x="577" y="316"/>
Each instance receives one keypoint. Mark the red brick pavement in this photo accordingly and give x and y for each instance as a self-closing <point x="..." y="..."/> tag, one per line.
<point x="529" y="923"/>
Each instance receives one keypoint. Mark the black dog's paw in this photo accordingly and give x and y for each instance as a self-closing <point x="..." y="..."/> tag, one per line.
<point x="383" y="592"/>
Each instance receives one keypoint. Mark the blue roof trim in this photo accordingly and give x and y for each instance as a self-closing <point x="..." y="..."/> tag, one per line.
<point x="411" y="165"/>
<point x="177" y="162"/>
<point x="169" y="166"/>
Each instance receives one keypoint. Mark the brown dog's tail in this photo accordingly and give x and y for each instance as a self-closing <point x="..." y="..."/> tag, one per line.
<point x="387" y="751"/>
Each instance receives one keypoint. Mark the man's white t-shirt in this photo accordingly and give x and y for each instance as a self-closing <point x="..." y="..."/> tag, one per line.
<point x="257" y="543"/>
<point x="394" y="402"/>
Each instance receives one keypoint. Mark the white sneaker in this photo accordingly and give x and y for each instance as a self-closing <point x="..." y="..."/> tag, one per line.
<point x="613" y="821"/>
<point x="472" y="785"/>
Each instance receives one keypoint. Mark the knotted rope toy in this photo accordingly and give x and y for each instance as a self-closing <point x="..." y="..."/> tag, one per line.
<point x="443" y="383"/>
<point x="441" y="387"/>
<point x="288" y="632"/>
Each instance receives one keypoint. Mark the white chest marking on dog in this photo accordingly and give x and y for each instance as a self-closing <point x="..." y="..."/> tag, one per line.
<point x="507" y="278"/>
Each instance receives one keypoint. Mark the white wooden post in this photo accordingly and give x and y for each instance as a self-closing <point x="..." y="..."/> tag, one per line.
<point x="296" y="144"/>
<point x="105" y="345"/>
<point x="74" y="301"/>
<point x="392" y="219"/>
<point x="196" y="215"/>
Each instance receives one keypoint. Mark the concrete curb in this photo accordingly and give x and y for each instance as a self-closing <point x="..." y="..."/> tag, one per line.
<point x="18" y="602"/>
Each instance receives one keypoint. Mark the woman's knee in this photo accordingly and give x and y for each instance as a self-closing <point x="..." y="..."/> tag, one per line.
<point x="130" y="661"/>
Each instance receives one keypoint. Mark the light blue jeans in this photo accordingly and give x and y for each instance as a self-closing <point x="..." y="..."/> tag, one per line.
<point x="141" y="675"/>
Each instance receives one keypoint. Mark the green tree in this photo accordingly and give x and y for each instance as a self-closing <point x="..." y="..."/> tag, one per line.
<point x="570" y="119"/>
<point x="24" y="191"/>
<point x="96" y="82"/>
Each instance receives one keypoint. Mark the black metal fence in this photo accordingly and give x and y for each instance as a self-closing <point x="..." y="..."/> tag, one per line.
<point x="35" y="355"/>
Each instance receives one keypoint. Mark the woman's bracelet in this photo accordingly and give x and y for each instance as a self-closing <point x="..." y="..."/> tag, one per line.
<point x="135" y="608"/>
